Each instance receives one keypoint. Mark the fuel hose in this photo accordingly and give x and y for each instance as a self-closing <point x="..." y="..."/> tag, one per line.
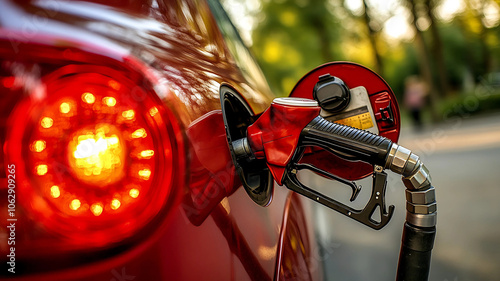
<point x="420" y="227"/>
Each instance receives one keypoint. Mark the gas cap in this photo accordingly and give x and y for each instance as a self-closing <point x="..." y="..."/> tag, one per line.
<point x="331" y="93"/>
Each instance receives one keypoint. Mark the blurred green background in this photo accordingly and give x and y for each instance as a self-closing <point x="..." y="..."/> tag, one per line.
<point x="453" y="45"/>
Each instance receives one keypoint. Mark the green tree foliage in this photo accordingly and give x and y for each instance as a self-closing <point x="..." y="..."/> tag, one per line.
<point x="373" y="35"/>
<point x="437" y="46"/>
<point x="425" y="61"/>
<point x="454" y="53"/>
<point x="293" y="37"/>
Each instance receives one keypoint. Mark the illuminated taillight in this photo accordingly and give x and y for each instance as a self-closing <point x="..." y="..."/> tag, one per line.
<point x="96" y="151"/>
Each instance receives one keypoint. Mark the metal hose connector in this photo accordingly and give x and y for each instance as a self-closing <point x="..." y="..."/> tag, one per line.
<point x="421" y="204"/>
<point x="242" y="149"/>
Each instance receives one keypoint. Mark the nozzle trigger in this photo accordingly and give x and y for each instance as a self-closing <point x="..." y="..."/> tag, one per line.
<point x="364" y="216"/>
<point x="355" y="188"/>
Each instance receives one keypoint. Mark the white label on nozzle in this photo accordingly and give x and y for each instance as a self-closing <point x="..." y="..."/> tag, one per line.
<point x="296" y="102"/>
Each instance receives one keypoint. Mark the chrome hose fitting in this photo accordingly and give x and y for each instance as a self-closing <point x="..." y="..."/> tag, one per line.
<point x="421" y="207"/>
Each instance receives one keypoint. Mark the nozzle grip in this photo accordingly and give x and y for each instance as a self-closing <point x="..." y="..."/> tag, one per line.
<point x="345" y="141"/>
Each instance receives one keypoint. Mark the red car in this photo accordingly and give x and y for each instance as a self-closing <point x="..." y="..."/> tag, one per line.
<point x="115" y="163"/>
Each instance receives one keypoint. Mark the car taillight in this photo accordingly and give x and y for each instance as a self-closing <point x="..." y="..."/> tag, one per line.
<point x="95" y="150"/>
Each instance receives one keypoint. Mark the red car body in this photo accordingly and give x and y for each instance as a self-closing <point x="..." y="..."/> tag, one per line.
<point x="144" y="76"/>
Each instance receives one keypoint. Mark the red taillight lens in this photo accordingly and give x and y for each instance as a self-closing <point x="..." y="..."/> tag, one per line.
<point x="91" y="152"/>
<point x="96" y="152"/>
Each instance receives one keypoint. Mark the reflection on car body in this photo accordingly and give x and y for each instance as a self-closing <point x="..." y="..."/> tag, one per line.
<point x="135" y="84"/>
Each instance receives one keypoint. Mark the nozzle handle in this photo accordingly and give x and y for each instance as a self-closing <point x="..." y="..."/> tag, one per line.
<point x="345" y="141"/>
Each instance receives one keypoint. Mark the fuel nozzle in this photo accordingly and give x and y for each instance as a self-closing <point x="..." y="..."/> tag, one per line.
<point x="279" y="137"/>
<point x="290" y="123"/>
<point x="275" y="135"/>
<point x="281" y="133"/>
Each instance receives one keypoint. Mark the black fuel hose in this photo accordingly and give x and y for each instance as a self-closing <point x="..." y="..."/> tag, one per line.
<point x="415" y="255"/>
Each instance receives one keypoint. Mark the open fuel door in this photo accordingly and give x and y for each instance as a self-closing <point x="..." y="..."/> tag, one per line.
<point x="353" y="95"/>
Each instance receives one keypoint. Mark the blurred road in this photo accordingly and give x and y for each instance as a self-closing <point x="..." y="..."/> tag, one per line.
<point x="463" y="156"/>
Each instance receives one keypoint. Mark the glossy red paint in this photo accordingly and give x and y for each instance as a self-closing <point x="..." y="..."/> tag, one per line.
<point x="300" y="257"/>
<point x="381" y="96"/>
<point x="176" y="51"/>
<point x="275" y="135"/>
<point x="212" y="174"/>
